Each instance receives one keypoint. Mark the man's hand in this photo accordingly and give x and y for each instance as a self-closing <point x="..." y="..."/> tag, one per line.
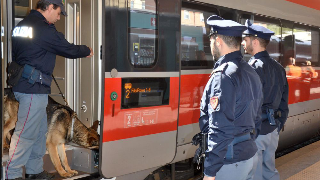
<point x="91" y="53"/>
<point x="209" y="178"/>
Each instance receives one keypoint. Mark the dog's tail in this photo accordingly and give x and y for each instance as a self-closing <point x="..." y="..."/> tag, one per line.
<point x="9" y="94"/>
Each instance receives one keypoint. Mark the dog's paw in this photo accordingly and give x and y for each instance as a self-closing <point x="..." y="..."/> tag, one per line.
<point x="73" y="172"/>
<point x="66" y="174"/>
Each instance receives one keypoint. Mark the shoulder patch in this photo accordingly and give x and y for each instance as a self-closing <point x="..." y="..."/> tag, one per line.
<point x="219" y="68"/>
<point x="214" y="101"/>
<point x="252" y="62"/>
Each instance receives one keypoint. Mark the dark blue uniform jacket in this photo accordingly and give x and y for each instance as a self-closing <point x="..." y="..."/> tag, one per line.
<point x="229" y="108"/>
<point x="37" y="42"/>
<point x="275" y="88"/>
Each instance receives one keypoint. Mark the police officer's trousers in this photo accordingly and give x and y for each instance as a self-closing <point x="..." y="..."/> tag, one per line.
<point x="242" y="170"/>
<point x="265" y="164"/>
<point x="28" y="142"/>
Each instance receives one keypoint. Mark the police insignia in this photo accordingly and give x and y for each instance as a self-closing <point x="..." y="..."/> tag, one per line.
<point x="214" y="102"/>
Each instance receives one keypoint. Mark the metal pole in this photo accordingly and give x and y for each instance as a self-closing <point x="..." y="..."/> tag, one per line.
<point x="173" y="171"/>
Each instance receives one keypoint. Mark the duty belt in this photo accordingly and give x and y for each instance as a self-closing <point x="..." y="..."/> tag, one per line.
<point x="34" y="75"/>
<point x="235" y="141"/>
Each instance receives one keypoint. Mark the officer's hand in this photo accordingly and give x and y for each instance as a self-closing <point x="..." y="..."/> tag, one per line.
<point x="91" y="53"/>
<point x="209" y="178"/>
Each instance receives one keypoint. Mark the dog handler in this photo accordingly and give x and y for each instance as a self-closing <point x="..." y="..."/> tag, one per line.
<point x="36" y="42"/>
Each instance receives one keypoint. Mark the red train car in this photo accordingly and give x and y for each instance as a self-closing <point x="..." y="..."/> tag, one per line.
<point x="152" y="61"/>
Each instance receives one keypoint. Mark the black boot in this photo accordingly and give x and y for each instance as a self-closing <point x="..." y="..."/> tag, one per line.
<point x="41" y="176"/>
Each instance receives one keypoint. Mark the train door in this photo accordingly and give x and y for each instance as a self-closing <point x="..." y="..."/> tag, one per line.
<point x="141" y="85"/>
<point x="78" y="78"/>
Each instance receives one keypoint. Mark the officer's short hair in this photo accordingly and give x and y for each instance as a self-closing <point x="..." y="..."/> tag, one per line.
<point x="263" y="42"/>
<point x="43" y="5"/>
<point x="231" y="41"/>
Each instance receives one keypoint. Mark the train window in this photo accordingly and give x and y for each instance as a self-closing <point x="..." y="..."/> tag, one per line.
<point x="195" y="44"/>
<point x="143" y="32"/>
<point x="306" y="45"/>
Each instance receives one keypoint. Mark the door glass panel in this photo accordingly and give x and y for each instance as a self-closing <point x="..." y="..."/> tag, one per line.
<point x="143" y="32"/>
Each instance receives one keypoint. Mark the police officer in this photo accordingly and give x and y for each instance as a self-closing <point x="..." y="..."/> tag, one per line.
<point x="275" y="103"/>
<point x="36" y="42"/>
<point x="229" y="105"/>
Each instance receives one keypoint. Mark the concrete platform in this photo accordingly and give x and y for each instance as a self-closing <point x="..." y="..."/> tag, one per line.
<point x="302" y="164"/>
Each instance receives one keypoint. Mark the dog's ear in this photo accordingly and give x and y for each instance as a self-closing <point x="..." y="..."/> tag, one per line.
<point x="95" y="125"/>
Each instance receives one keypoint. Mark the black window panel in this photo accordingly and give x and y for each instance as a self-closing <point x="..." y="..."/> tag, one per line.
<point x="144" y="92"/>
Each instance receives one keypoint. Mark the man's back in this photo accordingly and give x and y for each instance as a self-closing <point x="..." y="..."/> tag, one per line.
<point x="36" y="42"/>
<point x="239" y="91"/>
<point x="273" y="78"/>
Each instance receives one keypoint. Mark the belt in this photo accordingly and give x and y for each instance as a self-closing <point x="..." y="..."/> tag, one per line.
<point x="235" y="141"/>
<point x="34" y="75"/>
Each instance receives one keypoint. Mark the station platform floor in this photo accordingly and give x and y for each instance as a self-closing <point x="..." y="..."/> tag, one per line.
<point x="301" y="164"/>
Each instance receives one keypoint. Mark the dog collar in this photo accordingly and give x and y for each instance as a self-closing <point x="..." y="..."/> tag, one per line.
<point x="72" y="127"/>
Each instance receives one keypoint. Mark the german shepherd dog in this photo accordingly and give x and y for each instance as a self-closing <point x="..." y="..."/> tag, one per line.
<point x="63" y="127"/>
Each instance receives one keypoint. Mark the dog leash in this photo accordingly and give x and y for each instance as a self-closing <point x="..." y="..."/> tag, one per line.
<point x="74" y="115"/>
<point x="64" y="98"/>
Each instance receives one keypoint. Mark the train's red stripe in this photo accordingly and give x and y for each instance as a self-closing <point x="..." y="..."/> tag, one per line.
<point x="309" y="3"/>
<point x="191" y="88"/>
<point x="300" y="89"/>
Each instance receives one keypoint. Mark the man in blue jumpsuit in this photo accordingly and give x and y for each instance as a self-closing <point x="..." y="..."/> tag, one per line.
<point x="275" y="103"/>
<point x="229" y="106"/>
<point x="36" y="42"/>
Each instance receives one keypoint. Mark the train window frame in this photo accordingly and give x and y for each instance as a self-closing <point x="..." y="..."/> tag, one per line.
<point x="135" y="29"/>
<point x="197" y="64"/>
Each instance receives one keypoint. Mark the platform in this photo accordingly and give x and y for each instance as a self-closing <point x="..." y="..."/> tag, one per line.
<point x="302" y="164"/>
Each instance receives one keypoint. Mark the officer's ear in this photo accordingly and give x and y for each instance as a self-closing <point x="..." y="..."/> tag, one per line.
<point x="218" y="41"/>
<point x="255" y="42"/>
<point x="50" y="7"/>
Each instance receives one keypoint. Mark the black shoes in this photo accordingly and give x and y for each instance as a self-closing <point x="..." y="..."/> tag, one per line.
<point x="41" y="176"/>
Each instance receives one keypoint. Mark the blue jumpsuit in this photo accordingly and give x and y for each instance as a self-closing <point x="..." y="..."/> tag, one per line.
<point x="36" y="43"/>
<point x="229" y="108"/>
<point x="275" y="93"/>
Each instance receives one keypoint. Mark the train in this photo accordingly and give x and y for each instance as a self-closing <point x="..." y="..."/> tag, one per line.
<point x="152" y="61"/>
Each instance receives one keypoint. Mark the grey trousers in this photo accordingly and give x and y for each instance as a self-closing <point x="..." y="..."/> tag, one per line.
<point x="28" y="142"/>
<point x="238" y="171"/>
<point x="265" y="168"/>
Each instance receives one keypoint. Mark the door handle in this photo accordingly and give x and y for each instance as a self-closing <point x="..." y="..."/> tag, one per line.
<point x="84" y="108"/>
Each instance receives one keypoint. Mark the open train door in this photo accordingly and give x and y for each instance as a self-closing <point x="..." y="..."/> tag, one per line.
<point x="141" y="86"/>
